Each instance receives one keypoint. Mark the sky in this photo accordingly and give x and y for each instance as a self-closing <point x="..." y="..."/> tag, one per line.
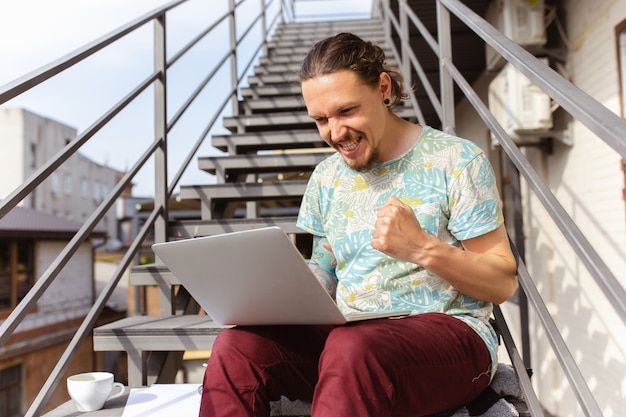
<point x="34" y="33"/>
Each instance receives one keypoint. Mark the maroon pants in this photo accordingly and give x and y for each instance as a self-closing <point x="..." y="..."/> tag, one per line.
<point x="412" y="366"/>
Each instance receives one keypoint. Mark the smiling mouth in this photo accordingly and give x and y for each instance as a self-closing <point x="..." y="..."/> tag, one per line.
<point x="350" y="145"/>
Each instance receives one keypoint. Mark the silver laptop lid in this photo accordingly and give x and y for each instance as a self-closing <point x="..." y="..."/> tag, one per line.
<point x="253" y="277"/>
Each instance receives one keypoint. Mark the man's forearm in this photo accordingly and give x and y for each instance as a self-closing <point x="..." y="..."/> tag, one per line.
<point x="326" y="280"/>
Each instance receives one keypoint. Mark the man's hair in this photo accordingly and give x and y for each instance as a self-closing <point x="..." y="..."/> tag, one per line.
<point x="346" y="51"/>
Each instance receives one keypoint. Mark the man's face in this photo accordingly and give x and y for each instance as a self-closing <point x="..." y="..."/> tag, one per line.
<point x="349" y="115"/>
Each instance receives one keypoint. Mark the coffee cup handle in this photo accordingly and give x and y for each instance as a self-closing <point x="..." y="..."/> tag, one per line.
<point x="117" y="394"/>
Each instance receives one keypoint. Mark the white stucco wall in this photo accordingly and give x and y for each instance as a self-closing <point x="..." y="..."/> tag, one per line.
<point x="11" y="132"/>
<point x="28" y="142"/>
<point x="70" y="295"/>
<point x="588" y="180"/>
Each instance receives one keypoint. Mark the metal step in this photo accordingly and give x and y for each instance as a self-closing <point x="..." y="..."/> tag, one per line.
<point x="225" y="167"/>
<point x="279" y="59"/>
<point x="286" y="120"/>
<point x="273" y="104"/>
<point x="301" y="51"/>
<point x="310" y="36"/>
<point x="304" y="29"/>
<point x="256" y="91"/>
<point x="274" y="78"/>
<point x="186" y="229"/>
<point x="266" y="66"/>
<point x="138" y="335"/>
<point x="269" y="121"/>
<point x="238" y="143"/>
<point x="289" y="193"/>
<point x="377" y="38"/>
<point x="243" y="191"/>
<point x="152" y="274"/>
<point x="274" y="68"/>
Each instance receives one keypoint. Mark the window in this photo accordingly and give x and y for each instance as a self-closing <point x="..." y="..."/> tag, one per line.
<point x="17" y="271"/>
<point x="97" y="192"/>
<point x="55" y="186"/>
<point x="84" y="188"/>
<point x="11" y="391"/>
<point x="33" y="156"/>
<point x="67" y="185"/>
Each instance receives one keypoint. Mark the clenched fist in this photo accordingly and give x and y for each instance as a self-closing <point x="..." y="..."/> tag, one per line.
<point x="398" y="233"/>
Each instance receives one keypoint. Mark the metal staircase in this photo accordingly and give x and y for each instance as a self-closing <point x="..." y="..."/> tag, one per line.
<point x="255" y="180"/>
<point x="268" y="154"/>
<point x="272" y="150"/>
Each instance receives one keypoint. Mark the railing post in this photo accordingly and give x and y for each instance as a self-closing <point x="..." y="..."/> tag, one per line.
<point x="288" y="12"/>
<point x="161" y="192"/>
<point x="445" y="79"/>
<point x="384" y="7"/>
<point x="405" y="38"/>
<point x="263" y="20"/>
<point x="233" y="56"/>
<point x="518" y="227"/>
<point x="377" y="13"/>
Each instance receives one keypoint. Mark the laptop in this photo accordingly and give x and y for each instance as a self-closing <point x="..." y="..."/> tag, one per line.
<point x="253" y="277"/>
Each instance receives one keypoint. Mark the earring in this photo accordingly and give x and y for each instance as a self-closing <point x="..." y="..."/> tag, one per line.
<point x="386" y="101"/>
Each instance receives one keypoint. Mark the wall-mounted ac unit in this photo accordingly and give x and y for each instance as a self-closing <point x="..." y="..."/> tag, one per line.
<point x="519" y="105"/>
<point x="520" y="20"/>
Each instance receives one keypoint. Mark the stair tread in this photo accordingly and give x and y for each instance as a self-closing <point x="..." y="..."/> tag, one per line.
<point x="185" y="229"/>
<point x="285" y="189"/>
<point x="264" y="163"/>
<point x="267" y="140"/>
<point x="162" y="326"/>
<point x="138" y="334"/>
<point x="287" y="119"/>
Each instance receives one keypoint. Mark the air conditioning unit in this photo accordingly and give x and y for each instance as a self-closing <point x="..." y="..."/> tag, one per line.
<point x="520" y="20"/>
<point x="519" y="105"/>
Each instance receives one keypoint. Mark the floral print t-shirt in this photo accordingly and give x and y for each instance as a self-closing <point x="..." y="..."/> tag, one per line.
<point x="450" y="185"/>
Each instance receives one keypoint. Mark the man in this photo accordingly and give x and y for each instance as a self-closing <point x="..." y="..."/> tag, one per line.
<point x="403" y="217"/>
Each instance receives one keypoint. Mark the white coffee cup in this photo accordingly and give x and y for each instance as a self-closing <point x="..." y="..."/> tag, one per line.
<point x="91" y="389"/>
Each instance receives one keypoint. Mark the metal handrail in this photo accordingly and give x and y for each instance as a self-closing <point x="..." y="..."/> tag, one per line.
<point x="604" y="123"/>
<point x="609" y="127"/>
<point x="566" y="359"/>
<point x="33" y="79"/>
<point x="70" y="149"/>
<point x="88" y="323"/>
<point x="36" y="77"/>
<point x="530" y="397"/>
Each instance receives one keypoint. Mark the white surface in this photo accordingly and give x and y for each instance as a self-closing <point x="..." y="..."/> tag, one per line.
<point x="163" y="400"/>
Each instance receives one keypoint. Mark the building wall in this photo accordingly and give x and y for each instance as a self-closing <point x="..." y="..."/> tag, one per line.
<point x="74" y="191"/>
<point x="40" y="341"/>
<point x="71" y="294"/>
<point x="587" y="178"/>
<point x="11" y="157"/>
<point x="38" y="364"/>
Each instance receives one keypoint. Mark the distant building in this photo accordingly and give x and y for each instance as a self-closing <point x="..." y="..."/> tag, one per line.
<point x="74" y="190"/>
<point x="30" y="242"/>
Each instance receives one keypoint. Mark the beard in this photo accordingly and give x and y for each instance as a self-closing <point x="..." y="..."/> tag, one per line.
<point x="360" y="165"/>
<point x="366" y="164"/>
